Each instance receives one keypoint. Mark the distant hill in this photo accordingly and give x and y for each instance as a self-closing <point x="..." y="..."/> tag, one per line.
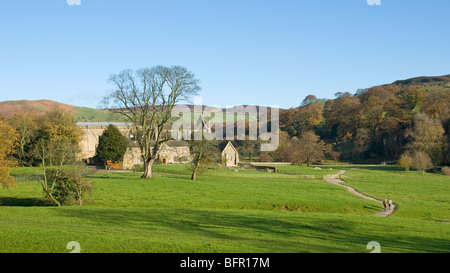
<point x="425" y="81"/>
<point x="9" y="108"/>
<point x="39" y="107"/>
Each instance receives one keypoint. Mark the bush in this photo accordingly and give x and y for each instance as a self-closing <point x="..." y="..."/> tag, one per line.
<point x="138" y="168"/>
<point x="70" y="187"/>
<point x="263" y="158"/>
<point x="405" y="161"/>
<point x="446" y="171"/>
<point x="422" y="161"/>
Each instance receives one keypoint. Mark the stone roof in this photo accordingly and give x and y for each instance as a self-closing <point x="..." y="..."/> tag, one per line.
<point x="177" y="143"/>
<point x="170" y="143"/>
<point x="104" y="123"/>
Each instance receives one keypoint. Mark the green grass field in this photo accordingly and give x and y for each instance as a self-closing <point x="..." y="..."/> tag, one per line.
<point x="93" y="115"/>
<point x="233" y="211"/>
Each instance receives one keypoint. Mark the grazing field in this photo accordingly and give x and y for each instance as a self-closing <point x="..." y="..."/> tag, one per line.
<point x="233" y="211"/>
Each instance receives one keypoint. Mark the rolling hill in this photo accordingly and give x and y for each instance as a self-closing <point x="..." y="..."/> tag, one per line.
<point x="39" y="107"/>
<point x="425" y="81"/>
<point x="9" y="108"/>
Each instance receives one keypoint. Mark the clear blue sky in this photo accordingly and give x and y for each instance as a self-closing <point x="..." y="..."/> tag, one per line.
<point x="267" y="52"/>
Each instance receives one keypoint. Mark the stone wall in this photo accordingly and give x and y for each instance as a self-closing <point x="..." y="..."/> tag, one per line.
<point x="91" y="133"/>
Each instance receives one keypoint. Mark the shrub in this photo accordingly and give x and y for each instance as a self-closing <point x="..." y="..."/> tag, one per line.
<point x="263" y="158"/>
<point x="422" y="161"/>
<point x="138" y="168"/>
<point x="446" y="171"/>
<point x="405" y="161"/>
<point x="70" y="187"/>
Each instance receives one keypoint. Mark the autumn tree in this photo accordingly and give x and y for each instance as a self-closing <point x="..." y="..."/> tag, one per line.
<point x="309" y="115"/>
<point x="56" y="147"/>
<point x="437" y="103"/>
<point x="342" y="116"/>
<point x="146" y="97"/>
<point x="414" y="96"/>
<point x="249" y="148"/>
<point x="428" y="136"/>
<point x="26" y="127"/>
<point x="7" y="143"/>
<point x="308" y="149"/>
<point x="362" y="140"/>
<point x="280" y="154"/>
<point x="405" y="161"/>
<point x="421" y="161"/>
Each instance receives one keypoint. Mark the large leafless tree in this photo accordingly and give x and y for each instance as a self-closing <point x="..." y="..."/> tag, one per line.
<point x="146" y="97"/>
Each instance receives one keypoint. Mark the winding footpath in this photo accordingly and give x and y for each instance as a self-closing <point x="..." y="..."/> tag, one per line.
<point x="334" y="179"/>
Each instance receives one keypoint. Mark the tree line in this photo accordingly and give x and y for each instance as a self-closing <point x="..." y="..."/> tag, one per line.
<point x="378" y="124"/>
<point x="48" y="144"/>
<point x="405" y="123"/>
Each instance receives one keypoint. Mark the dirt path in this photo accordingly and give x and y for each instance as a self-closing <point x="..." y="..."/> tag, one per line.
<point x="92" y="170"/>
<point x="334" y="179"/>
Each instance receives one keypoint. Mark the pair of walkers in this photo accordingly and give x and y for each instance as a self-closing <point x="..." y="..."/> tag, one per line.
<point x="387" y="204"/>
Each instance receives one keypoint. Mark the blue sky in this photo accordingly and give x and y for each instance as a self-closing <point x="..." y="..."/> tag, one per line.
<point x="266" y="52"/>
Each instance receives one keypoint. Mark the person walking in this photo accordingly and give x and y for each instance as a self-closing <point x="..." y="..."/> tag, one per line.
<point x="389" y="203"/>
<point x="385" y="203"/>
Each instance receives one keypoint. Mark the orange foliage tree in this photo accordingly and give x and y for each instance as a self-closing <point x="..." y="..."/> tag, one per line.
<point x="7" y="144"/>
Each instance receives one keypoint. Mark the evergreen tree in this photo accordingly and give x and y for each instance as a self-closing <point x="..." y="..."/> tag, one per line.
<point x="112" y="145"/>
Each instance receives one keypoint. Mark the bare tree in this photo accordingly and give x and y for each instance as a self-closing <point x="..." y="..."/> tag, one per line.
<point x="422" y="162"/>
<point x="146" y="98"/>
<point x="203" y="151"/>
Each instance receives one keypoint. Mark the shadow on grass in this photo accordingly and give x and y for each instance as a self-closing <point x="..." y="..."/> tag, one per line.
<point x="379" y="168"/>
<point x="136" y="176"/>
<point x="267" y="232"/>
<point x="22" y="202"/>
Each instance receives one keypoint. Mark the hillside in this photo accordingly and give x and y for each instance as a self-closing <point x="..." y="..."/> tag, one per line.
<point x="425" y="81"/>
<point x="9" y="108"/>
<point x="39" y="107"/>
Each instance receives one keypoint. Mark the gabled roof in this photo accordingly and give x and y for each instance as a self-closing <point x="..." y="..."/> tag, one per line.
<point x="231" y="145"/>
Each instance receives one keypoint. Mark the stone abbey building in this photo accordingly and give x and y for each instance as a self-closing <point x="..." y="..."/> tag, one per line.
<point x="172" y="152"/>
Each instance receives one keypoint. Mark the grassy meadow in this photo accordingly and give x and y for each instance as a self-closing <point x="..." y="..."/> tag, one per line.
<point x="233" y="211"/>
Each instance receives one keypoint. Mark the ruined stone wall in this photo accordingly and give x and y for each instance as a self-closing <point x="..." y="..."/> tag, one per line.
<point x="91" y="134"/>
